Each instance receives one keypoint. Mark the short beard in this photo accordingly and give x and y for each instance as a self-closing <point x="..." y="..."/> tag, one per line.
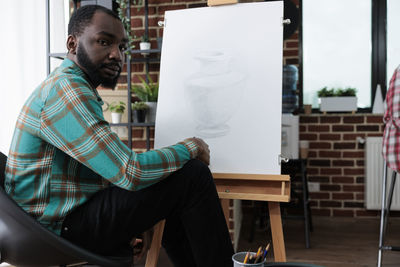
<point x="93" y="71"/>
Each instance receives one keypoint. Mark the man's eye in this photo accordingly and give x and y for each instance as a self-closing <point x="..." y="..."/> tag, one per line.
<point x="123" y="47"/>
<point x="103" y="42"/>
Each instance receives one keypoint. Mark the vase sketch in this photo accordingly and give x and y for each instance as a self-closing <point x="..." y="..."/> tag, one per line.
<point x="213" y="93"/>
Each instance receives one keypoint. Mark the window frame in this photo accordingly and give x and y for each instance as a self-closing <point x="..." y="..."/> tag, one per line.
<point x="378" y="53"/>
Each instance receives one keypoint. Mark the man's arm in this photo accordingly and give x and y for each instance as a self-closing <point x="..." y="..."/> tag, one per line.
<point x="72" y="120"/>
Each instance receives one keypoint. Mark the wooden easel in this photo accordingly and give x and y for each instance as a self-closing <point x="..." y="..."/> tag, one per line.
<point x="271" y="188"/>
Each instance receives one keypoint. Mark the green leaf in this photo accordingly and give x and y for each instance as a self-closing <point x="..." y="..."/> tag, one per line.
<point x="147" y="91"/>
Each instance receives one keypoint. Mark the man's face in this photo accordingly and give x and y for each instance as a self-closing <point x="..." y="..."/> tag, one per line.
<point x="100" y="50"/>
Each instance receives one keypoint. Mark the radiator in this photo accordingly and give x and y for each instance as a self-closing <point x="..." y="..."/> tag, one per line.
<point x="374" y="176"/>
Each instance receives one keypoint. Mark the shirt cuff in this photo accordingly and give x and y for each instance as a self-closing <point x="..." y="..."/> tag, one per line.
<point x="191" y="147"/>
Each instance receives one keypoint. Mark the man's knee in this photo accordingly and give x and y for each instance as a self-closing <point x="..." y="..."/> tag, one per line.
<point x="198" y="165"/>
<point x="198" y="168"/>
<point x="198" y="173"/>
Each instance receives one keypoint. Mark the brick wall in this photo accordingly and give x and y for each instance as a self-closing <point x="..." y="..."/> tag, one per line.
<point x="336" y="161"/>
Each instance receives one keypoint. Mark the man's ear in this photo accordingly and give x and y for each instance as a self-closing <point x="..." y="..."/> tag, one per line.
<point x="72" y="44"/>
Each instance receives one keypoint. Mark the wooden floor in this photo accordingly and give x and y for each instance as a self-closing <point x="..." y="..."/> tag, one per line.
<point x="343" y="242"/>
<point x="335" y="242"/>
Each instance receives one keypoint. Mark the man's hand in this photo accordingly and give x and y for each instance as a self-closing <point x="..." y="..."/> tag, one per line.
<point x="204" y="150"/>
<point x="142" y="245"/>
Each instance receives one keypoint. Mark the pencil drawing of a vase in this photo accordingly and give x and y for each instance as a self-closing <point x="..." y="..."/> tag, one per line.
<point x="213" y="93"/>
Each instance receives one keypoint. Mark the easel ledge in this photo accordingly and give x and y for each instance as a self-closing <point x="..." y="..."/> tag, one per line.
<point x="221" y="2"/>
<point x="262" y="187"/>
<point x="244" y="176"/>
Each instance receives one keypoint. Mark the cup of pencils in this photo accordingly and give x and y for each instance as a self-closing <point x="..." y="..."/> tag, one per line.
<point x="253" y="259"/>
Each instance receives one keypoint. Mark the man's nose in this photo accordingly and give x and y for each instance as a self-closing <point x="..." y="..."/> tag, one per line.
<point x="116" y="53"/>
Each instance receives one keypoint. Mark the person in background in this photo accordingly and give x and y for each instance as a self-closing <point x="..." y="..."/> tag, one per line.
<point x="391" y="119"/>
<point x="68" y="170"/>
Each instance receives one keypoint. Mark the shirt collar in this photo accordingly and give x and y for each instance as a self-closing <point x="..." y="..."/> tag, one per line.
<point x="68" y="63"/>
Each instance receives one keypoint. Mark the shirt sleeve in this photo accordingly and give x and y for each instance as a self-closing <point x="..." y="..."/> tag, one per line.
<point x="72" y="120"/>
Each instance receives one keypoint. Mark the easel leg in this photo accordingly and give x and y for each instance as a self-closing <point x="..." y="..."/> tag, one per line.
<point x="225" y="208"/>
<point x="154" y="251"/>
<point x="276" y="231"/>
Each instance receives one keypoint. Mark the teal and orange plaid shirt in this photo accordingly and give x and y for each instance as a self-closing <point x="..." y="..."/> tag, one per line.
<point x="63" y="150"/>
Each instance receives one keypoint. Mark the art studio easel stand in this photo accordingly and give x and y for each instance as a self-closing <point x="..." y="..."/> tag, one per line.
<point x="271" y="188"/>
<point x="260" y="187"/>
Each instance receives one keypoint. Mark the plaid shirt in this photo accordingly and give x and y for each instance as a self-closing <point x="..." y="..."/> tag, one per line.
<point x="391" y="134"/>
<point x="63" y="150"/>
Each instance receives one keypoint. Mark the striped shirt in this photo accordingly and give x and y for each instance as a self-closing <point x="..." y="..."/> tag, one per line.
<point x="63" y="150"/>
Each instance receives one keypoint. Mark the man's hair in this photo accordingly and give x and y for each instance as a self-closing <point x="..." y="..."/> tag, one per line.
<point x="82" y="16"/>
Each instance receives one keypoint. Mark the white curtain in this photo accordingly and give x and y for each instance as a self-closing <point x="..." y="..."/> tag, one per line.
<point x="23" y="66"/>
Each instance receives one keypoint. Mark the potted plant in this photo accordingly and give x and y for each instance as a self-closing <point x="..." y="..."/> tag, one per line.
<point x="338" y="100"/>
<point x="139" y="109"/>
<point x="117" y="109"/>
<point x="148" y="92"/>
<point x="122" y="14"/>
<point x="145" y="44"/>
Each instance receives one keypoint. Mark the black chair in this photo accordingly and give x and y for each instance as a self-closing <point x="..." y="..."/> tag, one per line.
<point x="25" y="242"/>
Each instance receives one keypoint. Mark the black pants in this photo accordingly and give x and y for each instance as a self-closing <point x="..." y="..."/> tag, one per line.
<point x="195" y="233"/>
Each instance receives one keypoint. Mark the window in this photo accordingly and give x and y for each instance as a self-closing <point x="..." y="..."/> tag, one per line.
<point x="393" y="38"/>
<point x="337" y="47"/>
<point x="59" y="14"/>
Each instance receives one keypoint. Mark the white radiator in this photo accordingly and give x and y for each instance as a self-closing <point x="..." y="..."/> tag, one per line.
<point x="374" y="176"/>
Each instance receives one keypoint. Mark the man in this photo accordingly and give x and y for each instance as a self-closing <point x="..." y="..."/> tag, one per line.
<point x="69" y="171"/>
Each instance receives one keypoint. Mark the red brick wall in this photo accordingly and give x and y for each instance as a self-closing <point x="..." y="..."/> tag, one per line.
<point x="336" y="161"/>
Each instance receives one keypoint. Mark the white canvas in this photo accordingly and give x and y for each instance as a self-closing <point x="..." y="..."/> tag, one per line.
<point x="221" y="80"/>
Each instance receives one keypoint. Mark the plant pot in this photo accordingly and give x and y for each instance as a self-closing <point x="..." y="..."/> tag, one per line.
<point x="338" y="103"/>
<point x="139" y="115"/>
<point x="145" y="46"/>
<point x="116" y="117"/>
<point x="151" y="112"/>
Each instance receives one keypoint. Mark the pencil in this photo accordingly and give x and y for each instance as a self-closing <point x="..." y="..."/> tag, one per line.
<point x="259" y="257"/>
<point x="266" y="250"/>
<point x="247" y="257"/>
<point x="258" y="251"/>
